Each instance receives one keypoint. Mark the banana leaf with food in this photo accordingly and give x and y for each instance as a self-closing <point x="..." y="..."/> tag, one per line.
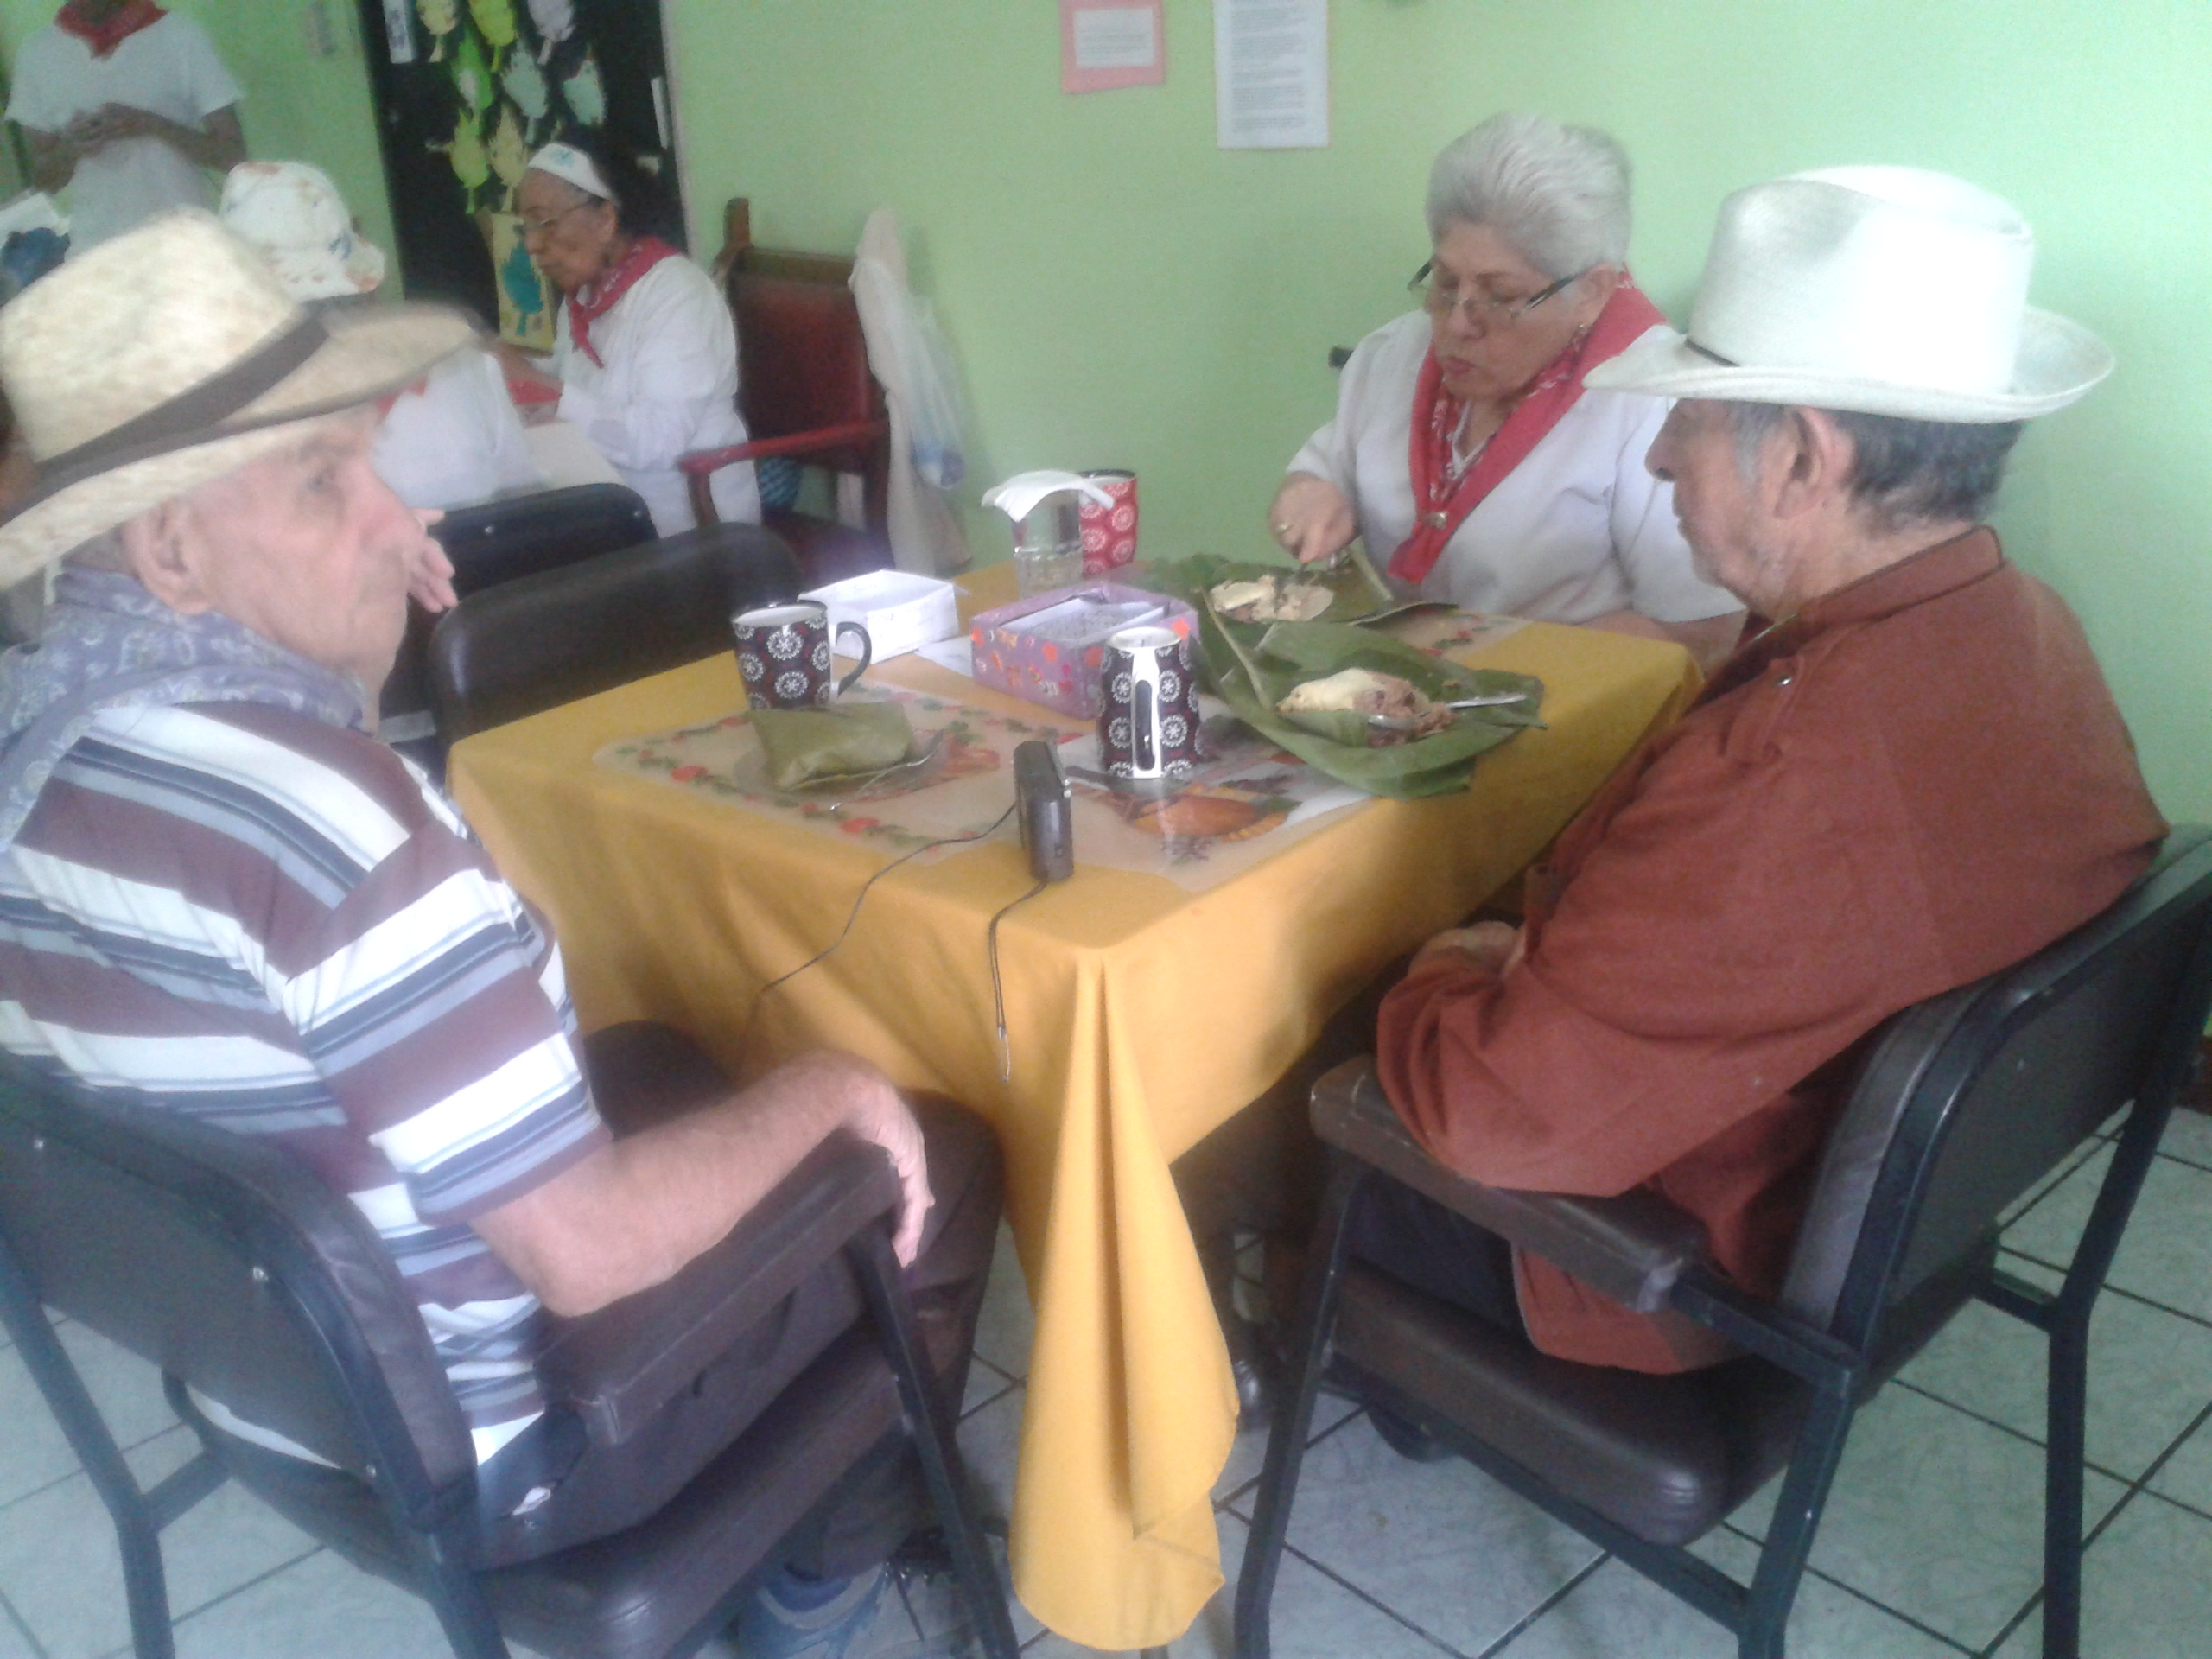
<point x="1355" y="592"/>
<point x="1253" y="681"/>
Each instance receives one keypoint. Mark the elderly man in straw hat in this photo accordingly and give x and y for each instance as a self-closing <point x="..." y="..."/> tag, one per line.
<point x="219" y="894"/>
<point x="1916" y="776"/>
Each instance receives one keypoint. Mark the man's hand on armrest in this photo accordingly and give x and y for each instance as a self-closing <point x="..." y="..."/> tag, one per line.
<point x="633" y="1213"/>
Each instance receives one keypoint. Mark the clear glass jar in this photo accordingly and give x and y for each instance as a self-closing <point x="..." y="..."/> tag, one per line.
<point x="1048" y="547"/>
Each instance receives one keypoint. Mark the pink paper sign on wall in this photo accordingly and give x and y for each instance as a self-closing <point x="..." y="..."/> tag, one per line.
<point x="1110" y="43"/>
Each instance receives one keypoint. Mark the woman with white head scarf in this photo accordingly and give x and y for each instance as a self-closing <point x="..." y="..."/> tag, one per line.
<point x="643" y="347"/>
<point x="451" y="441"/>
<point x="1465" y="450"/>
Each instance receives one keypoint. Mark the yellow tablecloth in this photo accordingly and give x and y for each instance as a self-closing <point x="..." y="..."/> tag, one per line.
<point x="1140" y="1017"/>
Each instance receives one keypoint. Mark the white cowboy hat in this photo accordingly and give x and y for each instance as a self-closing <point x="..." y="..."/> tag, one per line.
<point x="164" y="360"/>
<point x="292" y="215"/>
<point x="1884" y="291"/>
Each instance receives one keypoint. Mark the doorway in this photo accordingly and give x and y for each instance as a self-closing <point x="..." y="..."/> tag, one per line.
<point x="466" y="91"/>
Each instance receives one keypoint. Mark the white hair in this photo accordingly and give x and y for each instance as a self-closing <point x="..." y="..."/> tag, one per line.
<point x="1559" y="195"/>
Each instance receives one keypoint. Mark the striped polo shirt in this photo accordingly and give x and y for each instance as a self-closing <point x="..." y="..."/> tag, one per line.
<point x="282" y="928"/>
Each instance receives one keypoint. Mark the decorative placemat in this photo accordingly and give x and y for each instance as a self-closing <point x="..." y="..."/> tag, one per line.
<point x="958" y="794"/>
<point x="1244" y="805"/>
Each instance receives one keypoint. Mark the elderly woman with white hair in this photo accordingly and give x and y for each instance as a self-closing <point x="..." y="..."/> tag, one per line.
<point x="644" y="349"/>
<point x="1466" y="450"/>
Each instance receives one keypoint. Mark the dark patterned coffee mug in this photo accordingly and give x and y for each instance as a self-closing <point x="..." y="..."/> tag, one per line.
<point x="783" y="652"/>
<point x="1148" y="720"/>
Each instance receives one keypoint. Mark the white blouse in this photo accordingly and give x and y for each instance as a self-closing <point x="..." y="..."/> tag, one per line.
<point x="458" y="440"/>
<point x="669" y="386"/>
<point x="1578" y="530"/>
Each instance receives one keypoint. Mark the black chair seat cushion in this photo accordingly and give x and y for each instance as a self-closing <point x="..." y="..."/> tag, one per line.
<point x="1665" y="1457"/>
<point x="635" y="1594"/>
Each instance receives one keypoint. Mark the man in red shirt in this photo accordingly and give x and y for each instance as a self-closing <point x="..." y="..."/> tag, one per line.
<point x="1916" y="776"/>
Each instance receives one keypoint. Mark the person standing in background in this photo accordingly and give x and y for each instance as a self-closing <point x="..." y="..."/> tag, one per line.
<point x="130" y="109"/>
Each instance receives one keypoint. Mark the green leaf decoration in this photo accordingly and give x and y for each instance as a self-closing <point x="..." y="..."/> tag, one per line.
<point x="496" y="19"/>
<point x="525" y="84"/>
<point x="586" y="93"/>
<point x="470" y="76"/>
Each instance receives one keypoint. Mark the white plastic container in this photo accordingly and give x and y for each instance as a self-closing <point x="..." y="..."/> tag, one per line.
<point x="900" y="611"/>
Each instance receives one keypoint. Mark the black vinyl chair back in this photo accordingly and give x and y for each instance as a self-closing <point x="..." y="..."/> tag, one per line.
<point x="546" y="640"/>
<point x="231" y="1266"/>
<point x="522" y="535"/>
<point x="1963" y="1103"/>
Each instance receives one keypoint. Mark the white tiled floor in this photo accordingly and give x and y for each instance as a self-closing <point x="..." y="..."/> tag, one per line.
<point x="1929" y="1546"/>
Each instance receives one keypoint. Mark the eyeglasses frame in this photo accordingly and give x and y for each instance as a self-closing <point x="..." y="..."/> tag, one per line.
<point x="1483" y="307"/>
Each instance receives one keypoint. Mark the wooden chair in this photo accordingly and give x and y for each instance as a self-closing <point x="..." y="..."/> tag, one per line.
<point x="806" y="394"/>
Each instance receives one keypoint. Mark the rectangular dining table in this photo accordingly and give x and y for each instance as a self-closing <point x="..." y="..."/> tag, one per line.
<point x="1141" y="1014"/>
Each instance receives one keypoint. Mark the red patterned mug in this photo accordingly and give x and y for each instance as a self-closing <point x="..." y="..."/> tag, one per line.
<point x="1109" y="533"/>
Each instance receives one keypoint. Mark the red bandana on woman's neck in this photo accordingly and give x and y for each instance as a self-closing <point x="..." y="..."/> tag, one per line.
<point x="103" y="38"/>
<point x="595" y="299"/>
<point x="1442" y="503"/>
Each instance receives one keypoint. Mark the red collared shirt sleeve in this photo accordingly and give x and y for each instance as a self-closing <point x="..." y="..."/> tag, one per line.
<point x="1719" y="944"/>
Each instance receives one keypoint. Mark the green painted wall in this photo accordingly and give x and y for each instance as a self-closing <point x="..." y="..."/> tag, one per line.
<point x="307" y="94"/>
<point x="1122" y="293"/>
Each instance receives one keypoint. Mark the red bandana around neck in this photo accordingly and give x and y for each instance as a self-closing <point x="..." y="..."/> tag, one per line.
<point x="103" y="38"/>
<point x="595" y="299"/>
<point x="1441" y="503"/>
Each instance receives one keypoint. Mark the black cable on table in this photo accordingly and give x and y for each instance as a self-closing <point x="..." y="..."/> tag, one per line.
<point x="744" y="1042"/>
<point x="998" y="991"/>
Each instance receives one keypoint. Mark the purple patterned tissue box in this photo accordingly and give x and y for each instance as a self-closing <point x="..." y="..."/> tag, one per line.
<point x="1047" y="648"/>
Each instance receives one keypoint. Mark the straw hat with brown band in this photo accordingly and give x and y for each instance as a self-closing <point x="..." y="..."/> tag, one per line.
<point x="164" y="360"/>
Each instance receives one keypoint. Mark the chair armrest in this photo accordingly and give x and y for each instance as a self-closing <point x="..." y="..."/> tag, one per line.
<point x="616" y="1367"/>
<point x="821" y="438"/>
<point x="1632" y="1248"/>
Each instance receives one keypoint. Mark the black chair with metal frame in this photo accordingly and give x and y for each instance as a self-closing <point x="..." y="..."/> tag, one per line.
<point x="229" y="1266"/>
<point x="1958" y="1106"/>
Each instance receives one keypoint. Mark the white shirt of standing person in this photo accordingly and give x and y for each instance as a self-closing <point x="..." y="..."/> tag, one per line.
<point x="669" y="386"/>
<point x="455" y="440"/>
<point x="1577" y="531"/>
<point x="169" y="69"/>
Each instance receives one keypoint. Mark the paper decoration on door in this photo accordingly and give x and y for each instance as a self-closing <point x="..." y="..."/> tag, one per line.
<point x="1110" y="43"/>
<point x="525" y="297"/>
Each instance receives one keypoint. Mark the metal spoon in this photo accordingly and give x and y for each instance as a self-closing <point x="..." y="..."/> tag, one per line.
<point x="852" y="788"/>
<point x="1403" y="723"/>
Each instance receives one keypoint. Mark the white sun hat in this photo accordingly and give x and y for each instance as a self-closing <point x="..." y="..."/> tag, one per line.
<point x="169" y="356"/>
<point x="1884" y="291"/>
<point x="292" y="215"/>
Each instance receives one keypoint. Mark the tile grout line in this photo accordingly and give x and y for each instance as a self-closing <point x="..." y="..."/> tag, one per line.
<point x="1911" y="1387"/>
<point x="77" y="1468"/>
<point x="1387" y="1610"/>
<point x="2034" y="1601"/>
<point x="2143" y="1484"/>
<point x="1230" y="1498"/>
<point x="2057" y="1178"/>
<point x="2108" y="1289"/>
<point x="1856" y="1593"/>
<point x="177" y="1618"/>
<point x="23" y="1627"/>
<point x="1545" y="1606"/>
